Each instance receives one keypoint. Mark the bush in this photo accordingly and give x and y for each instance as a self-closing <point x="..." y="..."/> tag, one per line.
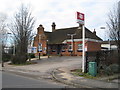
<point x="19" y="59"/>
<point x="6" y="57"/>
<point x="115" y="68"/>
<point x="112" y="69"/>
<point x="32" y="55"/>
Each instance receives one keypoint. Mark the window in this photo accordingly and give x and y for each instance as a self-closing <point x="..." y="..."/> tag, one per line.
<point x="64" y="47"/>
<point x="79" y="47"/>
<point x="53" y="48"/>
<point x="70" y="48"/>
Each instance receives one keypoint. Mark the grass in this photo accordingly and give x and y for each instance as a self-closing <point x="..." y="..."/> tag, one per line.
<point x="78" y="72"/>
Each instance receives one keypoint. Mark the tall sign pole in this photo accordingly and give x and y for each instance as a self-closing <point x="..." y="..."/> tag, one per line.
<point x="80" y="20"/>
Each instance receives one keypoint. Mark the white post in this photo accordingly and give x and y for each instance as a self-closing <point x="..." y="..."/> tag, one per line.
<point x="83" y="48"/>
<point x="72" y="42"/>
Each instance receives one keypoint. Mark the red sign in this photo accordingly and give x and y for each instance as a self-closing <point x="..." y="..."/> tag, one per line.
<point x="80" y="18"/>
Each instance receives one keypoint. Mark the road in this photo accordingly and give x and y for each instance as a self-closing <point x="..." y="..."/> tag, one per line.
<point x="42" y="69"/>
<point x="44" y="66"/>
<point x="10" y="80"/>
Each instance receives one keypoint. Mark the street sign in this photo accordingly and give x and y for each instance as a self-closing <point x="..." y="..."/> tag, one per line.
<point x="80" y="18"/>
<point x="34" y="49"/>
<point x="81" y="21"/>
<point x="39" y="47"/>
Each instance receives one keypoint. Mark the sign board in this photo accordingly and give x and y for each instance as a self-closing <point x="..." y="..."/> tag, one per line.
<point x="34" y="49"/>
<point x="80" y="18"/>
<point x="39" y="47"/>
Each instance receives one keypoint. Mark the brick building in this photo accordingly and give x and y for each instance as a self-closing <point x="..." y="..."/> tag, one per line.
<point x="65" y="41"/>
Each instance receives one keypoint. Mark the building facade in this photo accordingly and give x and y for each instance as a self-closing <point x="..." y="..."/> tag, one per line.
<point x="65" y="41"/>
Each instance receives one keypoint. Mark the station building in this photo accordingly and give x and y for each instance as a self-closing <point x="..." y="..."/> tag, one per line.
<point x="65" y="41"/>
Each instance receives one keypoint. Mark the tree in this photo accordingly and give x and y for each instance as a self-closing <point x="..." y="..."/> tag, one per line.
<point x="114" y="25"/>
<point x="3" y="35"/>
<point x="3" y="31"/>
<point x="22" y="28"/>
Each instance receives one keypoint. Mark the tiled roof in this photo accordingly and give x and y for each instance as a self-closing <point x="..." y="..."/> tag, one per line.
<point x="59" y="35"/>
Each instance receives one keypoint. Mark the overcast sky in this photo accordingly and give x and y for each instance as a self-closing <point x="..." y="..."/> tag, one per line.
<point x="63" y="12"/>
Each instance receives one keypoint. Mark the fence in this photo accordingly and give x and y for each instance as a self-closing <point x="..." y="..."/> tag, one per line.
<point x="103" y="58"/>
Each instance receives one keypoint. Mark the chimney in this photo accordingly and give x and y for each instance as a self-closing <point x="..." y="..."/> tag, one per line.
<point x="40" y="29"/>
<point x="94" y="32"/>
<point x="53" y="26"/>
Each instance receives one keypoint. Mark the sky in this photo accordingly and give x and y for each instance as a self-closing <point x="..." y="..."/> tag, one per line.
<point x="63" y="12"/>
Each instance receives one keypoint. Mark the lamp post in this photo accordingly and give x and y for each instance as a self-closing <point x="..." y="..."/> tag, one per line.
<point x="2" y="35"/>
<point x="47" y="49"/>
<point x="103" y="28"/>
<point x="13" y="46"/>
<point x="72" y="41"/>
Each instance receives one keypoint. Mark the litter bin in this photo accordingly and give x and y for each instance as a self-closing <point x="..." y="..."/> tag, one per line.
<point x="92" y="68"/>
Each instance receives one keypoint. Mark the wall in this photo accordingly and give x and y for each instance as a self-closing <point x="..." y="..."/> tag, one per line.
<point x="89" y="45"/>
<point x="93" y="46"/>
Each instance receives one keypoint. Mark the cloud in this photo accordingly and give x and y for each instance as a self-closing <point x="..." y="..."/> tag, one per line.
<point x="63" y="12"/>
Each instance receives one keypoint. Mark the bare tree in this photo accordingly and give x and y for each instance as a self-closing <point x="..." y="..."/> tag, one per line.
<point x="22" y="30"/>
<point x="114" y="25"/>
<point x="3" y="35"/>
<point x="3" y="30"/>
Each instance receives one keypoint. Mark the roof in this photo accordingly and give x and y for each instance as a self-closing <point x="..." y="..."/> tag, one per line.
<point x="59" y="35"/>
<point x="109" y="42"/>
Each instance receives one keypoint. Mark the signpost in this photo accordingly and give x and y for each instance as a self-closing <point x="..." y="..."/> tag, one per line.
<point x="39" y="49"/>
<point x="31" y="50"/>
<point x="34" y="49"/>
<point x="81" y="21"/>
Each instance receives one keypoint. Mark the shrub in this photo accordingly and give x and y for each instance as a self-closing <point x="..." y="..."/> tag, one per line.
<point x="115" y="68"/>
<point x="19" y="59"/>
<point x="6" y="57"/>
<point x="108" y="71"/>
<point x="112" y="69"/>
<point x="32" y="55"/>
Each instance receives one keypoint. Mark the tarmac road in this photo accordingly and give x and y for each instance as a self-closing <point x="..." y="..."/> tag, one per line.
<point x="15" y="81"/>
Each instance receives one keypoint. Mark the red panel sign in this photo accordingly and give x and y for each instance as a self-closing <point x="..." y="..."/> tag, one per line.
<point x="80" y="18"/>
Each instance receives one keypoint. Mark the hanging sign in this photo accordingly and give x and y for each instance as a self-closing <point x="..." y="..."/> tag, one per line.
<point x="80" y="18"/>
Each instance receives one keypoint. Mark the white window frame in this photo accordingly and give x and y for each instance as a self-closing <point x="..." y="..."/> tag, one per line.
<point x="79" y="46"/>
<point x="70" y="49"/>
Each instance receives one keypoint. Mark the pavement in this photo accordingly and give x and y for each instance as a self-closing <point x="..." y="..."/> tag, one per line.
<point x="60" y="73"/>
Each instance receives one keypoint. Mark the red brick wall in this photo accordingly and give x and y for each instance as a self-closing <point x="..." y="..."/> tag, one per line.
<point x="93" y="46"/>
<point x="40" y="38"/>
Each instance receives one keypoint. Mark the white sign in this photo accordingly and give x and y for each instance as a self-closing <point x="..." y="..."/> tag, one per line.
<point x="39" y="47"/>
<point x="34" y="49"/>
